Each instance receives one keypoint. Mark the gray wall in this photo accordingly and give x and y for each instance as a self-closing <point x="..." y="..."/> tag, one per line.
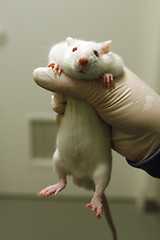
<point x="32" y="27"/>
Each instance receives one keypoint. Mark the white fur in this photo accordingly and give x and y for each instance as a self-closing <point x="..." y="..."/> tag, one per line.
<point x="69" y="61"/>
<point x="83" y="142"/>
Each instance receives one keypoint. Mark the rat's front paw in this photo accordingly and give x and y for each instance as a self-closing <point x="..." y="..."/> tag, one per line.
<point x="107" y="80"/>
<point x="56" y="68"/>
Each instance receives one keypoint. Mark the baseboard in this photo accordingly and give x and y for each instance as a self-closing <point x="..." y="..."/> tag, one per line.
<point x="18" y="196"/>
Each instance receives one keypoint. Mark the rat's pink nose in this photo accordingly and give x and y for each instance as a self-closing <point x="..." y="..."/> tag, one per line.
<point x="83" y="61"/>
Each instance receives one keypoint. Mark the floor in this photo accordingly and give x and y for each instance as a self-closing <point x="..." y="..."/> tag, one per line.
<point x="34" y="219"/>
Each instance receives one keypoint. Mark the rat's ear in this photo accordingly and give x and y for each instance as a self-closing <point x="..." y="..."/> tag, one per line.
<point x="70" y="41"/>
<point x="105" y="46"/>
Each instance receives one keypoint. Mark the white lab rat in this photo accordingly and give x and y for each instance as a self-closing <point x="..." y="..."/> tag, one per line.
<point x="83" y="141"/>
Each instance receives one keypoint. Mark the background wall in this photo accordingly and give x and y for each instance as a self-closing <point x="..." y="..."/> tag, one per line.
<point x="31" y="28"/>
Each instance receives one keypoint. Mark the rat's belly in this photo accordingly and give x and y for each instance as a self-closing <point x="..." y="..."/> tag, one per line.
<point x="83" y="138"/>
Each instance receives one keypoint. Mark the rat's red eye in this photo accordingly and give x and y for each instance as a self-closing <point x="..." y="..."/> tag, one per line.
<point x="96" y="53"/>
<point x="74" y="49"/>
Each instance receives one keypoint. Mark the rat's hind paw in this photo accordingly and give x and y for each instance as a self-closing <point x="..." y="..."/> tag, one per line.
<point x="56" y="68"/>
<point x="56" y="188"/>
<point x="107" y="80"/>
<point x="97" y="207"/>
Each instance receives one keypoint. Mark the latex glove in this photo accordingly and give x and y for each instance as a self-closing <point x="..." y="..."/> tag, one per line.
<point x="132" y="109"/>
<point x="58" y="103"/>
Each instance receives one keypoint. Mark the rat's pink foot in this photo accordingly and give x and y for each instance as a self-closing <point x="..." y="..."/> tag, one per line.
<point x="56" y="68"/>
<point x="56" y="188"/>
<point x="96" y="206"/>
<point x="107" y="80"/>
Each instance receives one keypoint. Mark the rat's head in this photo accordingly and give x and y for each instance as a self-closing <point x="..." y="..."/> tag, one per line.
<point x="84" y="59"/>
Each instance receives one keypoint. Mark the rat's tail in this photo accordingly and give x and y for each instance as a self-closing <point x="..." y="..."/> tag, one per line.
<point x="108" y="216"/>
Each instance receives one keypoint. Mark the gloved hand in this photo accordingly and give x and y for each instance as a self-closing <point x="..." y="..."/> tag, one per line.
<point x="131" y="108"/>
<point x="58" y="103"/>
